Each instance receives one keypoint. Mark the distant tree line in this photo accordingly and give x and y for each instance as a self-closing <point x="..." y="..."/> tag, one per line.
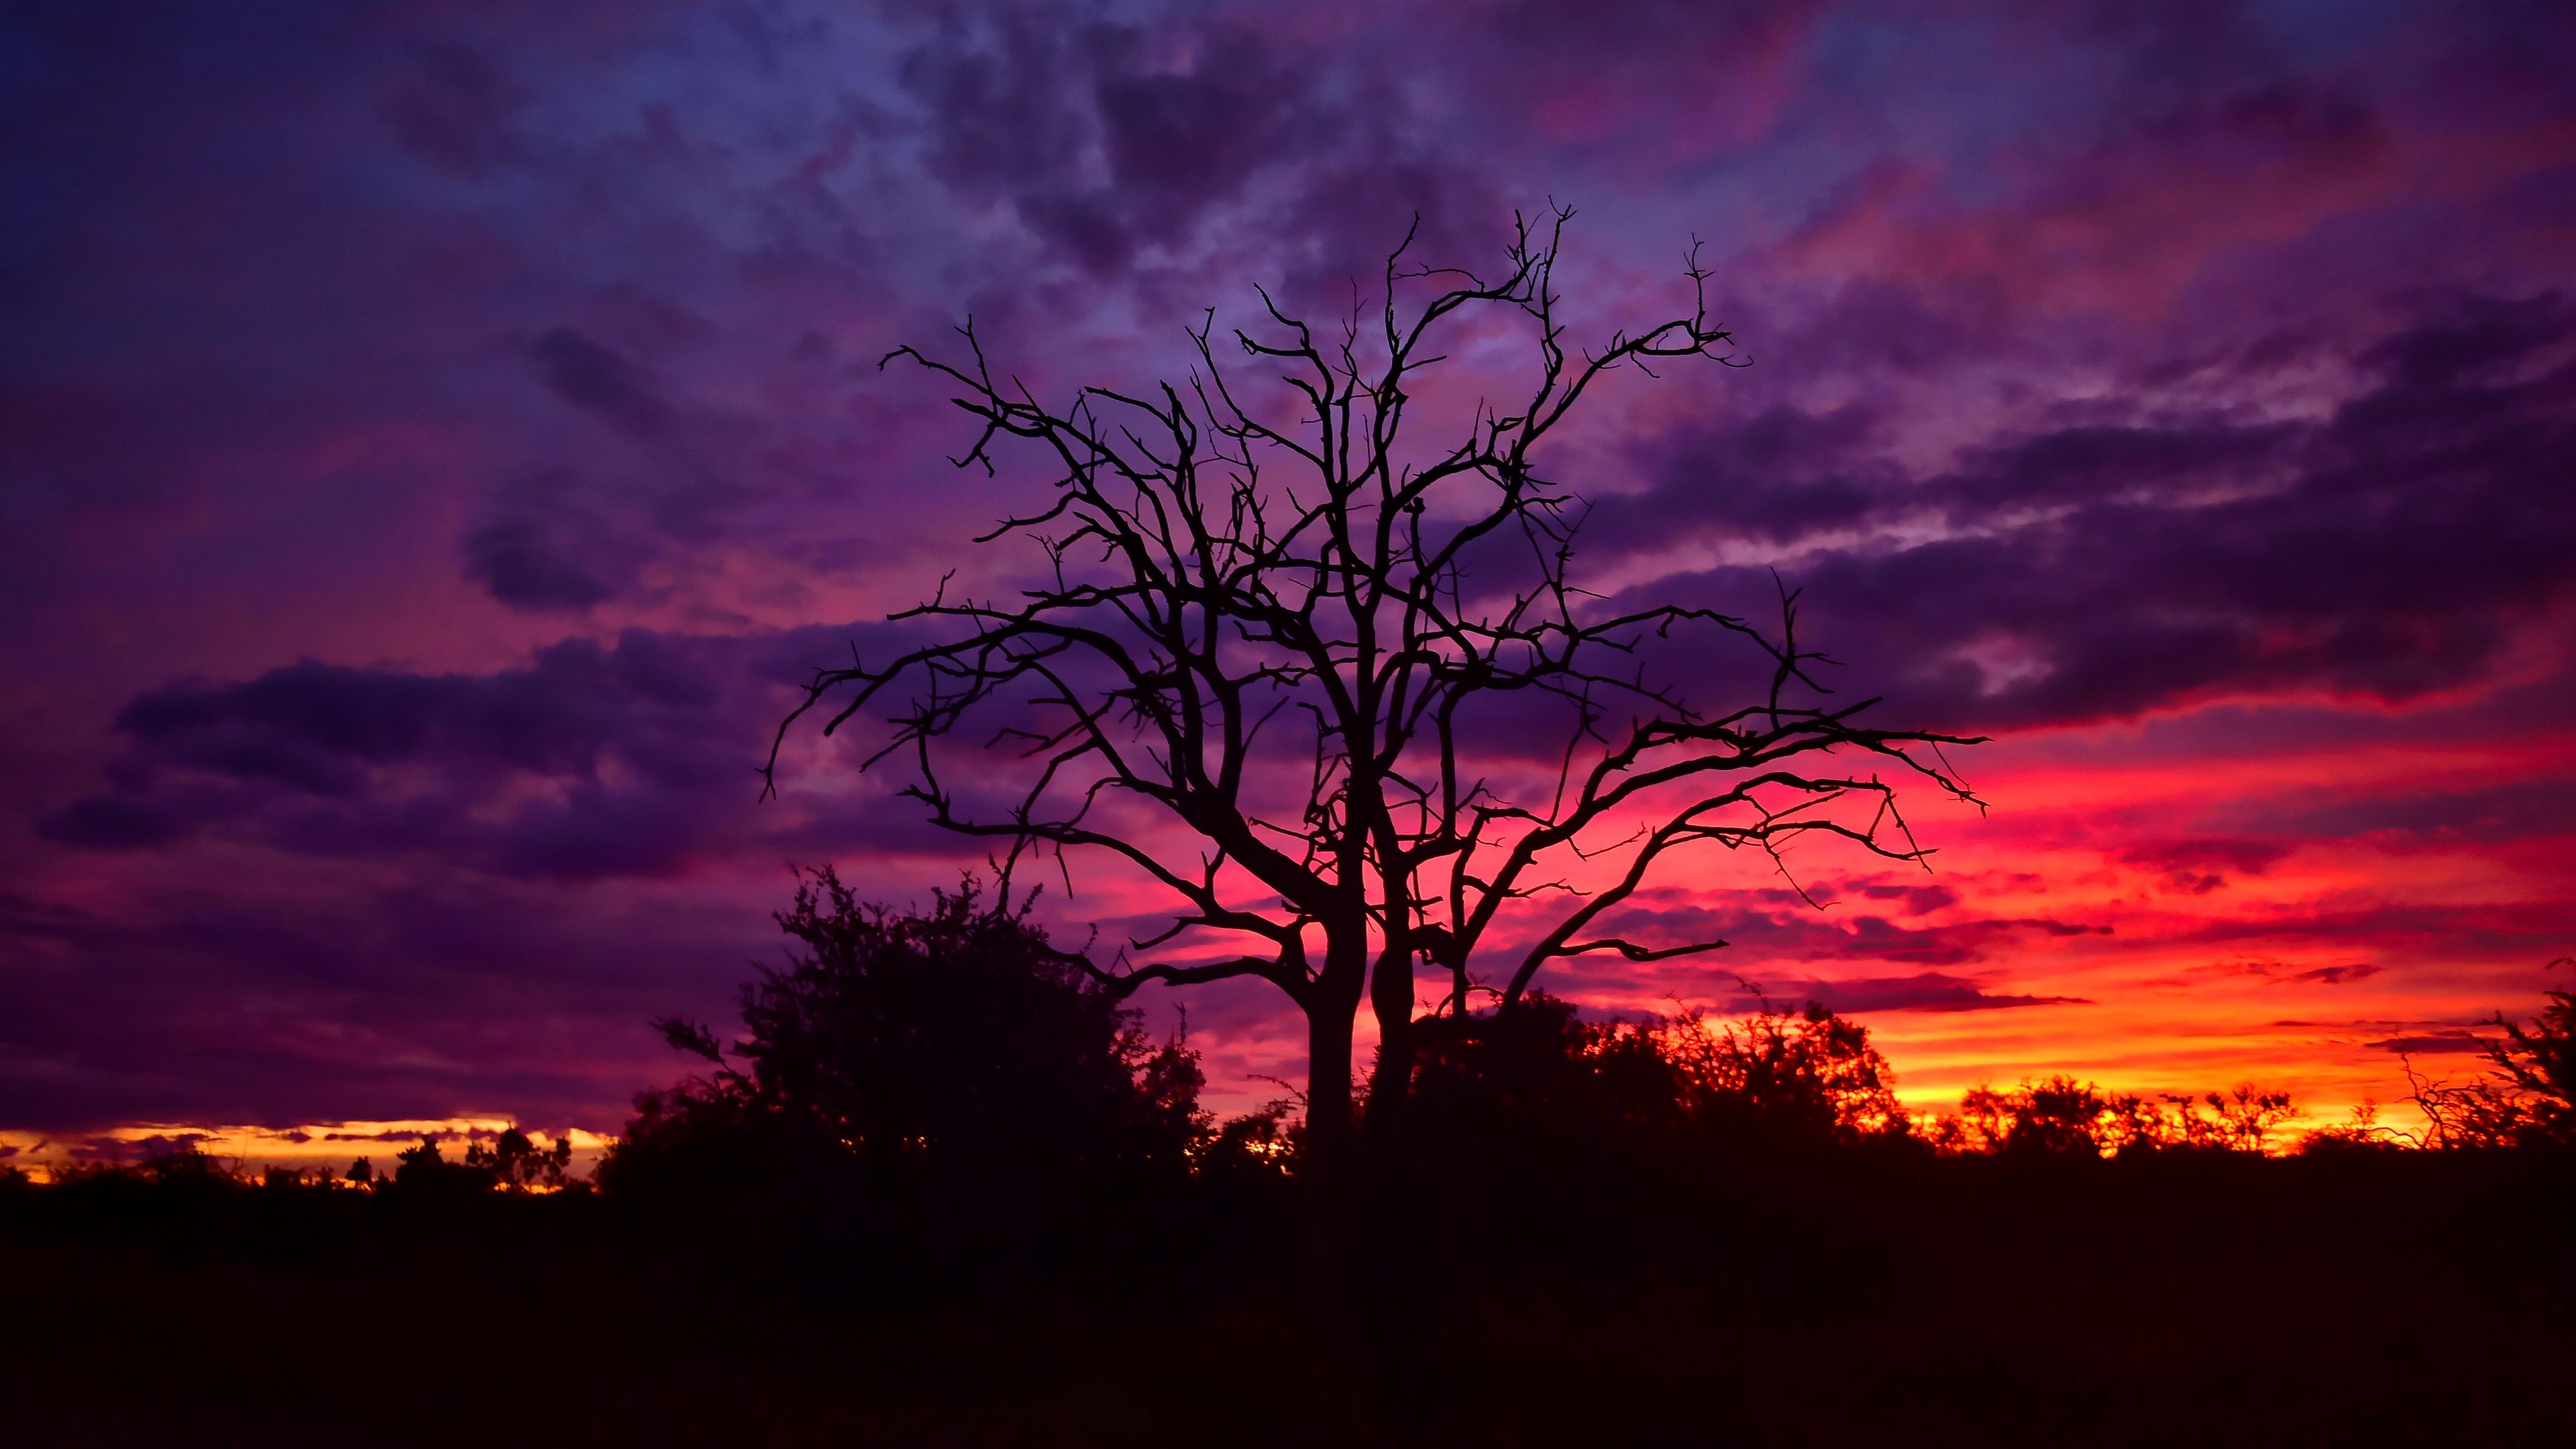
<point x="954" y="1056"/>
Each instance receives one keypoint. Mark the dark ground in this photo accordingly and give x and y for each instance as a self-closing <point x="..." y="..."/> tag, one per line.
<point x="2354" y="1298"/>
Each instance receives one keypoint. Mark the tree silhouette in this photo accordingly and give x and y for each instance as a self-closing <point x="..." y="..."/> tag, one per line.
<point x="1337" y="691"/>
<point x="1541" y="1072"/>
<point x="953" y="1042"/>
<point x="1805" y="1078"/>
<point x="423" y="1172"/>
<point x="2064" y="1117"/>
<point x="1804" y="1075"/>
<point x="2059" y="1116"/>
<point x="2528" y="1097"/>
<point x="518" y="1164"/>
<point x="2539" y="1063"/>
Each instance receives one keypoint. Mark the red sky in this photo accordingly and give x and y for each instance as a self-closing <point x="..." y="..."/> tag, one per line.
<point x="437" y="437"/>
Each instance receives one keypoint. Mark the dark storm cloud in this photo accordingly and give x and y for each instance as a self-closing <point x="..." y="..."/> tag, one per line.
<point x="641" y="751"/>
<point x="547" y="544"/>
<point x="1177" y="140"/>
<point x="2390" y="548"/>
<point x="1102" y="137"/>
<point x="588" y="375"/>
<point x="589" y="763"/>
<point x="526" y="566"/>
<point x="1005" y="107"/>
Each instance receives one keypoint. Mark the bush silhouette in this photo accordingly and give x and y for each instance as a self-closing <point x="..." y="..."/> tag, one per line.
<point x="1805" y="1076"/>
<point x="1537" y="1073"/>
<point x="2062" y="1117"/>
<point x="1538" y="1069"/>
<point x="953" y="1044"/>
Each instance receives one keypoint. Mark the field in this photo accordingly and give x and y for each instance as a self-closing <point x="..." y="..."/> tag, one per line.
<point x="2339" y="1297"/>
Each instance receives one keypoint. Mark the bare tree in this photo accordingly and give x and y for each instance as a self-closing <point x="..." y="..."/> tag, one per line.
<point x="2527" y="1096"/>
<point x="1316" y="650"/>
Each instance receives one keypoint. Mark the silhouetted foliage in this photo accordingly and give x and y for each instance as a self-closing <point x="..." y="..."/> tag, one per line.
<point x="2528" y="1095"/>
<point x="517" y="1164"/>
<point x="2364" y="1133"/>
<point x="423" y="1172"/>
<point x="1609" y="1227"/>
<point x="512" y="1163"/>
<point x="1536" y="1075"/>
<point x="949" y="1044"/>
<point x="2064" y="1117"/>
<point x="1805" y="1078"/>
<point x="2540" y="1061"/>
<point x="1808" y="1076"/>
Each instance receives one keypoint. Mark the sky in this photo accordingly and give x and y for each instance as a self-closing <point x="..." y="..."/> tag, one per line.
<point x="436" y="439"/>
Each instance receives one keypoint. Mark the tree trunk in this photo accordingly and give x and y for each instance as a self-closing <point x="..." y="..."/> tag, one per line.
<point x="1328" y="1077"/>
<point x="1391" y="999"/>
<point x="1335" y="1325"/>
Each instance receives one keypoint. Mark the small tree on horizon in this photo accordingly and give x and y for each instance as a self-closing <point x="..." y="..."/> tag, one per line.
<point x="1357" y="674"/>
<point x="953" y="1040"/>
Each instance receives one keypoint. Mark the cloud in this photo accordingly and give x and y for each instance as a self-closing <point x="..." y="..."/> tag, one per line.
<point x="1923" y="991"/>
<point x="1792" y="931"/>
<point x="2197" y="867"/>
<point x="457" y="109"/>
<point x="587" y="762"/>
<point x="1108" y="139"/>
<point x="545" y="547"/>
<point x="2199" y="169"/>
<point x="108" y="822"/>
<point x="2524" y="809"/>
<point x="599" y="379"/>
<point x="2275" y="972"/>
<point x="2396" y="546"/>
<point x="524" y="565"/>
<point x="2448" y="1043"/>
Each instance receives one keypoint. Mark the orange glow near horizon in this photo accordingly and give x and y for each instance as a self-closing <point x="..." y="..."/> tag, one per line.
<point x="2314" y="961"/>
<point x="332" y="1145"/>
<point x="2161" y="911"/>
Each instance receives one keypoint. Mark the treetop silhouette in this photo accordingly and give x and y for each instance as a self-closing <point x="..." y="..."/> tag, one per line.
<point x="952" y="1041"/>
<point x="1326" y="652"/>
<point x="2527" y="1094"/>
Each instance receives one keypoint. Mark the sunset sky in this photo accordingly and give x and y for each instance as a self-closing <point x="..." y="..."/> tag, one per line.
<point x="438" y="437"/>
